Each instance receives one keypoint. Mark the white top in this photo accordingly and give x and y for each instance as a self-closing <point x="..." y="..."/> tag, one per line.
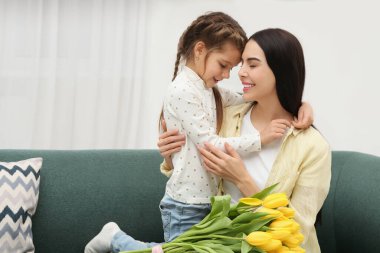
<point x="258" y="164"/>
<point x="189" y="106"/>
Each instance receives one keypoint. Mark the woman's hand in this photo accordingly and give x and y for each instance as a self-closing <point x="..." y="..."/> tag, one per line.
<point x="229" y="166"/>
<point x="305" y="116"/>
<point x="170" y="142"/>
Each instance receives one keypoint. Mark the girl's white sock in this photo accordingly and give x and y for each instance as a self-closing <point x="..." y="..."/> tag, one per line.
<point x="101" y="243"/>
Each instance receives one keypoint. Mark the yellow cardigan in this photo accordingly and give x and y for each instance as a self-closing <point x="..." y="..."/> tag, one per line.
<point x="302" y="168"/>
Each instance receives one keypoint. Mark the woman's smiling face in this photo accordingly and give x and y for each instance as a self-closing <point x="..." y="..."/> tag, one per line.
<point x="256" y="76"/>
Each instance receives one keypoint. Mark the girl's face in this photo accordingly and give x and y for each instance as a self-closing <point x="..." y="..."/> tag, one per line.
<point x="218" y="64"/>
<point x="257" y="78"/>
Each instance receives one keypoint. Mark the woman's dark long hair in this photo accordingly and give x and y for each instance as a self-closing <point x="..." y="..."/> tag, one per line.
<point x="284" y="55"/>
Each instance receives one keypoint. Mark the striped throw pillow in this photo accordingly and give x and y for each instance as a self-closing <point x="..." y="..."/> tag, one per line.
<point x="19" y="188"/>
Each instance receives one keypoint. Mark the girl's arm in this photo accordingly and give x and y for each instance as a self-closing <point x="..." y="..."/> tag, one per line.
<point x="305" y="114"/>
<point x="172" y="141"/>
<point x="230" y="97"/>
<point x="187" y="111"/>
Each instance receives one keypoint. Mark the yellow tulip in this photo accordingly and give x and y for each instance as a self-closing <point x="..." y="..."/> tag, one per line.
<point x="271" y="245"/>
<point x="295" y="226"/>
<point x="251" y="201"/>
<point x="291" y="242"/>
<point x="276" y="200"/>
<point x="288" y="224"/>
<point x="282" y="249"/>
<point x="281" y="234"/>
<point x="258" y="238"/>
<point x="272" y="213"/>
<point x="298" y="249"/>
<point x="282" y="225"/>
<point x="288" y="212"/>
<point x="282" y="217"/>
<point x="299" y="237"/>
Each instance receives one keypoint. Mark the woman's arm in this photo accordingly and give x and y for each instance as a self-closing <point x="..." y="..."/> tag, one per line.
<point x="229" y="166"/>
<point x="312" y="186"/>
<point x="308" y="194"/>
<point x="169" y="142"/>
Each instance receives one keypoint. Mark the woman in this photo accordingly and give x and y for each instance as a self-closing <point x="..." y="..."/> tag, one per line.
<point x="273" y="76"/>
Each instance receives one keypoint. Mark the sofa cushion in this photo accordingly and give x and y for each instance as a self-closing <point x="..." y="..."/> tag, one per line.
<point x="81" y="190"/>
<point x="19" y="189"/>
<point x="350" y="220"/>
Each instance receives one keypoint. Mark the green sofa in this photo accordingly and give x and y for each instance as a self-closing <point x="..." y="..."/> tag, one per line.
<point x="82" y="190"/>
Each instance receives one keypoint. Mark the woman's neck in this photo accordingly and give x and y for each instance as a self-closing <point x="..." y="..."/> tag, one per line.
<point x="263" y="112"/>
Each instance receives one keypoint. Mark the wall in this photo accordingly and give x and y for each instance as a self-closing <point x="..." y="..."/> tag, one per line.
<point x="340" y="40"/>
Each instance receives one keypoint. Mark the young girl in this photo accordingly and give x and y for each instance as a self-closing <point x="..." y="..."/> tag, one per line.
<point x="209" y="48"/>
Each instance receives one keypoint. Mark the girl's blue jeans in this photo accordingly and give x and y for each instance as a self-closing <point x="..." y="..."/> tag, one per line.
<point x="177" y="217"/>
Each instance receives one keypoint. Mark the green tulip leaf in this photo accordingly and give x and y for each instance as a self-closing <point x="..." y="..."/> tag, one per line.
<point x="215" y="245"/>
<point x="245" y="247"/>
<point x="235" y="247"/>
<point x="203" y="249"/>
<point x="247" y="228"/>
<point x="257" y="250"/>
<point x="247" y="217"/>
<point x="215" y="226"/>
<point x="262" y="194"/>
<point x="220" y="207"/>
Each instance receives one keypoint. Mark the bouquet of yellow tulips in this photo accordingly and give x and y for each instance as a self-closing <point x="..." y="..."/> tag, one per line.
<point x="261" y="223"/>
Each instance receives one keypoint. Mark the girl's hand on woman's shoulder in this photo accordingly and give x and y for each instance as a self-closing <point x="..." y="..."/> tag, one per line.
<point x="305" y="116"/>
<point x="275" y="130"/>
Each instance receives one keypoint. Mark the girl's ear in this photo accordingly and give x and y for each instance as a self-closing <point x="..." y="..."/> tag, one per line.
<point x="200" y="49"/>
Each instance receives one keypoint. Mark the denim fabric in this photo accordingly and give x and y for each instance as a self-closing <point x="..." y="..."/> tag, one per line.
<point x="123" y="242"/>
<point x="177" y="217"/>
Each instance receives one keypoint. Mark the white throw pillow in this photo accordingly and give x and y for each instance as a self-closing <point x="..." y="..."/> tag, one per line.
<point x="19" y="189"/>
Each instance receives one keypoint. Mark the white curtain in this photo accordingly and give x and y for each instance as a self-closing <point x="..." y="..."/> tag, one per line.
<point x="71" y="73"/>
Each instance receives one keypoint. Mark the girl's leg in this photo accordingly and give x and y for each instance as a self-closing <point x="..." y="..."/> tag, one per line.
<point x="178" y="217"/>
<point x="123" y="242"/>
<point x="101" y="243"/>
<point x="111" y="238"/>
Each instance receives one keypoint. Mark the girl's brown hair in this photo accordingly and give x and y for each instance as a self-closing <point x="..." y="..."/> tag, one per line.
<point x="214" y="29"/>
